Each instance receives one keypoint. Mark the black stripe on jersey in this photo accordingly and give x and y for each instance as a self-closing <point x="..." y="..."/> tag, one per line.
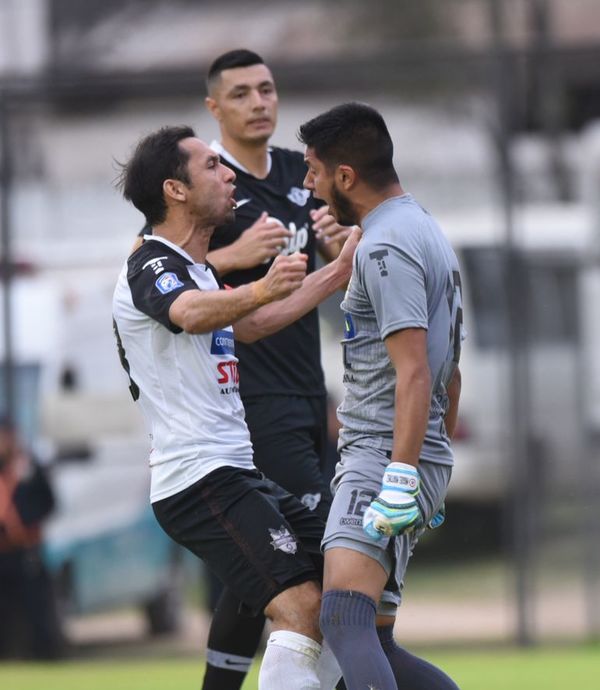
<point x="157" y="275"/>
<point x="215" y="273"/>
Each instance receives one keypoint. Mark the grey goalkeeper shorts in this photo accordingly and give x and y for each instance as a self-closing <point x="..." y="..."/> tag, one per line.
<point x="356" y="482"/>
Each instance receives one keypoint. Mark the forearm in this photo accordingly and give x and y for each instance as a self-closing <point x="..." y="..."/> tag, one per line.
<point x="329" y="250"/>
<point x="225" y="260"/>
<point x="411" y="415"/>
<point x="453" y="390"/>
<point x="202" y="312"/>
<point x="273" y="317"/>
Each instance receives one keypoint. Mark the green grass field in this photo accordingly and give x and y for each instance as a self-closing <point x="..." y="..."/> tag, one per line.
<point x="544" y="669"/>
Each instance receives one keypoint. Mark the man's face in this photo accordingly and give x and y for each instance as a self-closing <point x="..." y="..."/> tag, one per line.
<point x="323" y="184"/>
<point x="244" y="101"/>
<point x="210" y="190"/>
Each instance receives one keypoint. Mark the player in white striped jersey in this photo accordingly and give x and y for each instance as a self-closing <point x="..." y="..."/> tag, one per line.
<point x="175" y="328"/>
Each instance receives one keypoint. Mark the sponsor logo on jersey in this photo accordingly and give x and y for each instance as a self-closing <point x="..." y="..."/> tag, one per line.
<point x="311" y="501"/>
<point x="298" y="196"/>
<point x="228" y="372"/>
<point x="168" y="282"/>
<point x="379" y="256"/>
<point x="156" y="264"/>
<point x="297" y="241"/>
<point x="222" y="343"/>
<point x="281" y="539"/>
<point x="351" y="521"/>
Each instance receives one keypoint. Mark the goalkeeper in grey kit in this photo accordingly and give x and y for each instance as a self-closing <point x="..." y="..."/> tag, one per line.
<point x="403" y="334"/>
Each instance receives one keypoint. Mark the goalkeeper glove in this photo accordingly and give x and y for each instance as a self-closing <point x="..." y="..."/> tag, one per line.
<point x="395" y="509"/>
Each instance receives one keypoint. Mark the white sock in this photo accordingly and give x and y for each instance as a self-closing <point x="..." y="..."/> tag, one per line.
<point x="328" y="669"/>
<point x="290" y="662"/>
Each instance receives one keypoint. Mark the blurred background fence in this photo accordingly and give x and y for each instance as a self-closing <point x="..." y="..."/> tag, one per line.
<point x="493" y="107"/>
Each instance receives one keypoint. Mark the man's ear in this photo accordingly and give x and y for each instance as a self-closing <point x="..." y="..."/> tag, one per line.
<point x="345" y="177"/>
<point x="213" y="108"/>
<point x="174" y="189"/>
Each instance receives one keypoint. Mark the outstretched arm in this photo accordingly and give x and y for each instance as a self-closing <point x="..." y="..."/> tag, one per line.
<point x="315" y="288"/>
<point x="201" y="311"/>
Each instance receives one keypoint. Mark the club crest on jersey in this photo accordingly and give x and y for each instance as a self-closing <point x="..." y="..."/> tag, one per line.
<point x="222" y="343"/>
<point x="168" y="282"/>
<point x="379" y="256"/>
<point x="298" y="196"/>
<point x="282" y="539"/>
<point x="311" y="501"/>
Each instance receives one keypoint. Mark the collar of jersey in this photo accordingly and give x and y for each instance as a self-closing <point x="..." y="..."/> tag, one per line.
<point x="174" y="247"/>
<point x="373" y="213"/>
<point x="217" y="147"/>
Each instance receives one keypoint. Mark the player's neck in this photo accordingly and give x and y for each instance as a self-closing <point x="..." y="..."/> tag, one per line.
<point x="254" y="156"/>
<point x="371" y="199"/>
<point x="192" y="238"/>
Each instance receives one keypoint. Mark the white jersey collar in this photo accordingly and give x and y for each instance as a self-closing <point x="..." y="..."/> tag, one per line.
<point x="217" y="147"/>
<point x="174" y="247"/>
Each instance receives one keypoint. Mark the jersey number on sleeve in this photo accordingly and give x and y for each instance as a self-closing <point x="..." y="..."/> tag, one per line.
<point x="456" y="316"/>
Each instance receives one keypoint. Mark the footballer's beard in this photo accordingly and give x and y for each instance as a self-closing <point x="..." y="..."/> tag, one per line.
<point x="342" y="208"/>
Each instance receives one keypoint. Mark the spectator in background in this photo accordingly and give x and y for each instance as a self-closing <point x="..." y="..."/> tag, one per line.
<point x="27" y="608"/>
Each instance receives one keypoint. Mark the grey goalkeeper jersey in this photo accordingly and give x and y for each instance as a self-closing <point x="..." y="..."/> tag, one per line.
<point x="405" y="275"/>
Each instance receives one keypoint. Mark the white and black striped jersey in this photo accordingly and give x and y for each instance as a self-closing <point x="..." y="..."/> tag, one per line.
<point x="186" y="385"/>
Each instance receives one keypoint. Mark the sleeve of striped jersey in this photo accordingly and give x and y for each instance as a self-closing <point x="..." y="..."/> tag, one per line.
<point x="395" y="284"/>
<point x="156" y="284"/>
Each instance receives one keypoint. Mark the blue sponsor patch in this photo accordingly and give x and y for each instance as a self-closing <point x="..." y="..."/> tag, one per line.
<point x="222" y="343"/>
<point x="168" y="282"/>
<point x="349" y="331"/>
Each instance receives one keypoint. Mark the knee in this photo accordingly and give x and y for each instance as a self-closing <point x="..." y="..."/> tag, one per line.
<point x="346" y="612"/>
<point x="297" y="609"/>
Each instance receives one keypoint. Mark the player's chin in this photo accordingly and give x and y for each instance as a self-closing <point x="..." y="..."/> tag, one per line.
<point x="260" y="135"/>
<point x="227" y="215"/>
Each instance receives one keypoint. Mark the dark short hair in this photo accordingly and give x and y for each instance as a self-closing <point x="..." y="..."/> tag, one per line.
<point x="230" y="60"/>
<point x="157" y="157"/>
<point x="353" y="134"/>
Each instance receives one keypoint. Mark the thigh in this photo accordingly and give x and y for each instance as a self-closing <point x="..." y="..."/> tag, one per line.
<point x="307" y="524"/>
<point x="356" y="483"/>
<point x="232" y="520"/>
<point x="434" y="484"/>
<point x="287" y="437"/>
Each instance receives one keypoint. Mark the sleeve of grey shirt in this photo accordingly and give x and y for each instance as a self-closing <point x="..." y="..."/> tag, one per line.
<point x="394" y="282"/>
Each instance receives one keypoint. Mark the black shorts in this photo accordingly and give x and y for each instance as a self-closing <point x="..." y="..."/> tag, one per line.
<point x="256" y="537"/>
<point x="289" y="436"/>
